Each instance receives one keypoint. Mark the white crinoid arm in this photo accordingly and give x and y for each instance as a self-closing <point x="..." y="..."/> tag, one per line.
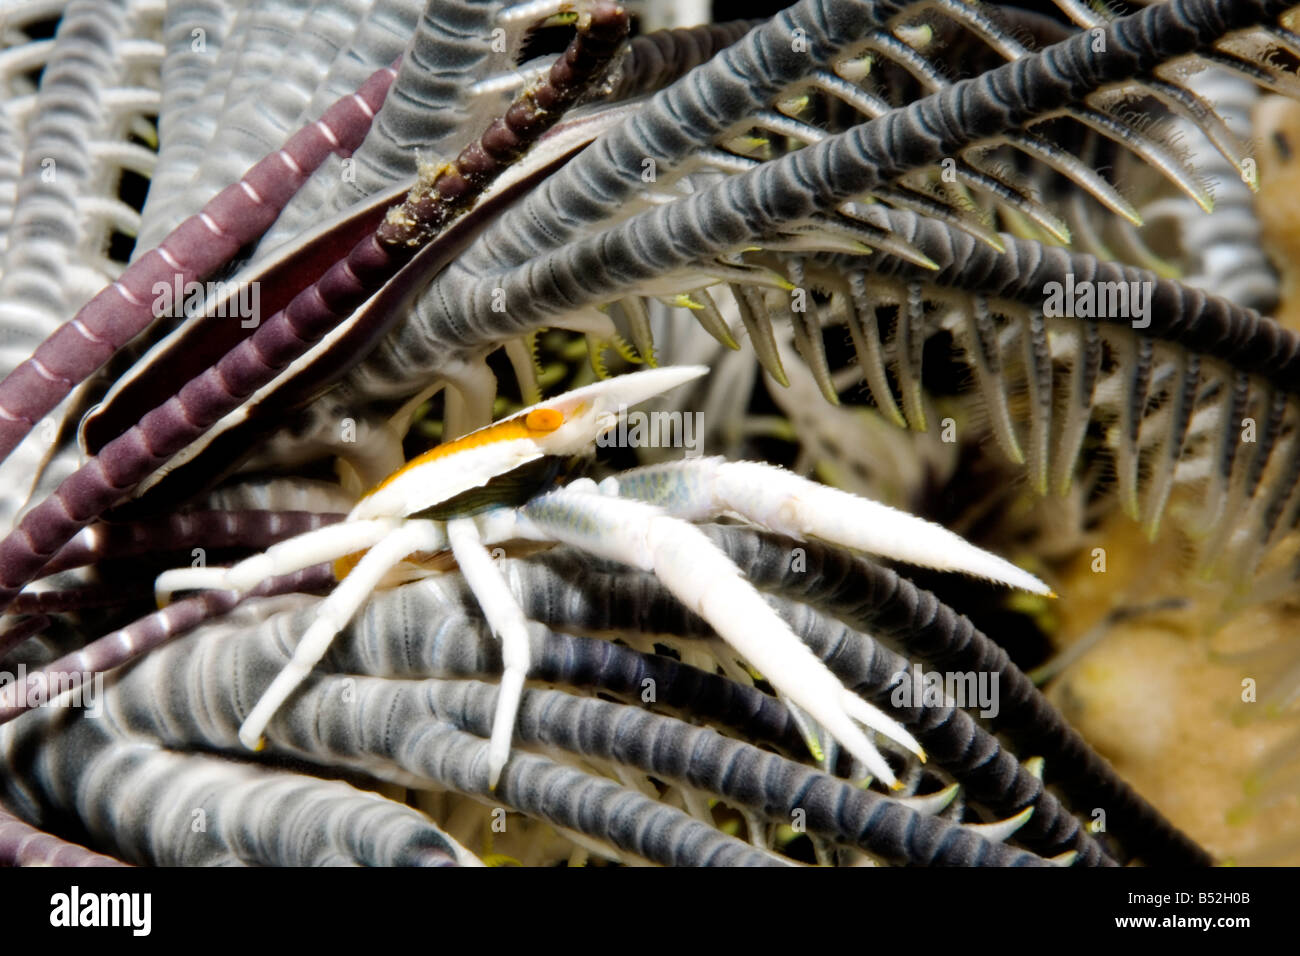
<point x="710" y="584"/>
<point x="702" y="488"/>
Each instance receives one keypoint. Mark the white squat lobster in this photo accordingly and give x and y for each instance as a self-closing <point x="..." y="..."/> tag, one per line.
<point x="437" y="502"/>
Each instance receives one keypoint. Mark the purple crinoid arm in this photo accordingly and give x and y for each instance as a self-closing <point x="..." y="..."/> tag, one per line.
<point x="24" y="845"/>
<point x="194" y="250"/>
<point x="437" y="199"/>
<point x="139" y="637"/>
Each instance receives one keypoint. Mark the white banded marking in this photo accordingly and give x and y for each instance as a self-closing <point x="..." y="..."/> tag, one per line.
<point x="127" y="294"/>
<point x="212" y="225"/>
<point x="365" y="107"/>
<point x="168" y="258"/>
<point x="290" y="162"/>
<point x="328" y="134"/>
<point x="86" y="333"/>
<point x="44" y="372"/>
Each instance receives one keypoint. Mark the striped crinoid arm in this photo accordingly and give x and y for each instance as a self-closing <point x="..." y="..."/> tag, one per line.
<point x="23" y="845"/>
<point x="181" y="112"/>
<point x="676" y="246"/>
<point x="238" y="80"/>
<point x="435" y="748"/>
<point x="141" y="801"/>
<point x="72" y="106"/>
<point x="767" y="785"/>
<point x="630" y="822"/>
<point x="558" y="588"/>
<point x="1186" y="391"/>
<point x="438" y="199"/>
<point x="137" y="638"/>
<point x="462" y="63"/>
<point x="827" y="86"/>
<point x="1220" y="253"/>
<point x="235" y="50"/>
<point x="1166" y="415"/>
<point x="634" y="605"/>
<point x="462" y="56"/>
<point x="878" y="601"/>
<point x="445" y="191"/>
<point x="251" y="530"/>
<point x="1240" y="56"/>
<point x="199" y="247"/>
<point x="61" y="198"/>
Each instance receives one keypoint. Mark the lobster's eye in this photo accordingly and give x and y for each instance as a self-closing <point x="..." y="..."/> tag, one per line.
<point x="544" y="420"/>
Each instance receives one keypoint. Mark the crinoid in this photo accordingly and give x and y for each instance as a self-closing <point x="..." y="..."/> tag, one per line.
<point x="373" y="225"/>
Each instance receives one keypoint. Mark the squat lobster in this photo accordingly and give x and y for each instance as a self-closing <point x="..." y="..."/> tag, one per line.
<point x="495" y="485"/>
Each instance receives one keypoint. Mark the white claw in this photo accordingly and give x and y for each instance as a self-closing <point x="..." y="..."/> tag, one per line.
<point x="789" y="504"/>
